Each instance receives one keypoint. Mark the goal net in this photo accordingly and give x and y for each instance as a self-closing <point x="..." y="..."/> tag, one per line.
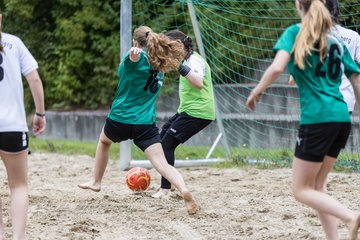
<point x="238" y="37"/>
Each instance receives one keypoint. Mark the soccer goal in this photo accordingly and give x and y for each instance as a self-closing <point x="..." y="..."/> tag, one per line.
<point x="236" y="37"/>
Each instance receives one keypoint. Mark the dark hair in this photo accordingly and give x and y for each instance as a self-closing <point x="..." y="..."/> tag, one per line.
<point x="333" y="7"/>
<point x="186" y="40"/>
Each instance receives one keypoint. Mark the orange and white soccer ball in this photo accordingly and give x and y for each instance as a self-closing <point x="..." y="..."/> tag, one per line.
<point x="138" y="179"/>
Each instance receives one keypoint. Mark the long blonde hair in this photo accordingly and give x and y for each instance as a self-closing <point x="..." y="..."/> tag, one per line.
<point x="316" y="24"/>
<point x="164" y="54"/>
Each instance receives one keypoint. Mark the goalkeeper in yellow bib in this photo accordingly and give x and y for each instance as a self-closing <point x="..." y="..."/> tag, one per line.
<point x="132" y="114"/>
<point x="196" y="110"/>
<point x="316" y="58"/>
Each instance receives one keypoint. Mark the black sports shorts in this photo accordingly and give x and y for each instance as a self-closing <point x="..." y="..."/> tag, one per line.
<point x="183" y="126"/>
<point x="315" y="141"/>
<point x="14" y="141"/>
<point x="144" y="135"/>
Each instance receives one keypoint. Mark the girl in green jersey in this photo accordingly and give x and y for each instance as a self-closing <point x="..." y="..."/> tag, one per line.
<point x="316" y="59"/>
<point x="132" y="114"/>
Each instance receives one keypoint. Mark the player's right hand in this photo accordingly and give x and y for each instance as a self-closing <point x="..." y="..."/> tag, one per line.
<point x="135" y="54"/>
<point x="253" y="99"/>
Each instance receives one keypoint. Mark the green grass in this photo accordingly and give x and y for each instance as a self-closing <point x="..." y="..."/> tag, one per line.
<point x="348" y="162"/>
<point x="239" y="157"/>
<point x="282" y="158"/>
<point x="258" y="157"/>
<point x="66" y="147"/>
<point x="72" y="147"/>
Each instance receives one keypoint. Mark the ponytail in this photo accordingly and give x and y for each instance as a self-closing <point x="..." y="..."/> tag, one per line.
<point x="165" y="54"/>
<point x="316" y="24"/>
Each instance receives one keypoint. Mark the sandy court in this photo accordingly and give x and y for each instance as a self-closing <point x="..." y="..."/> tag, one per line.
<point x="235" y="204"/>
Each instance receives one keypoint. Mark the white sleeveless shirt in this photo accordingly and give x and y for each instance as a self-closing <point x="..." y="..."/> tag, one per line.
<point x="351" y="39"/>
<point x="15" y="60"/>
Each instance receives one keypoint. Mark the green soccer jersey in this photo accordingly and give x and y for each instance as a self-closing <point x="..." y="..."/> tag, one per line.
<point x="195" y="102"/>
<point x="136" y="92"/>
<point x="318" y="84"/>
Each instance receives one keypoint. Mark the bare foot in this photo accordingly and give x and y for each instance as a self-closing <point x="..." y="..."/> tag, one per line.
<point x="190" y="203"/>
<point x="91" y="185"/>
<point x="162" y="193"/>
<point x="354" y="228"/>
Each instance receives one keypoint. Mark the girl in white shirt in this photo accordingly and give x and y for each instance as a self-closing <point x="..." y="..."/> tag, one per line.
<point x="351" y="39"/>
<point x="15" y="61"/>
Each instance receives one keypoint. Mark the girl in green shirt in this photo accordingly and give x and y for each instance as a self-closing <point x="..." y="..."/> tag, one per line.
<point x="316" y="59"/>
<point x="132" y="114"/>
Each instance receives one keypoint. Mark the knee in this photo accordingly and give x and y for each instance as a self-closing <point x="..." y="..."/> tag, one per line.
<point x="105" y="141"/>
<point x="298" y="193"/>
<point x="166" y="145"/>
<point x="169" y="142"/>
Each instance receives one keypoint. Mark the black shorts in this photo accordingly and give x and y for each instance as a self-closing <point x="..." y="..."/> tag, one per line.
<point x="144" y="135"/>
<point x="183" y="126"/>
<point x="14" y="141"/>
<point x="315" y="141"/>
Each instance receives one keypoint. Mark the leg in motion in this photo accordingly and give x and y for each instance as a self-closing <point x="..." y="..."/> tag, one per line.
<point x="16" y="168"/>
<point x="157" y="158"/>
<point x="101" y="160"/>
<point x="169" y="144"/>
<point x="304" y="182"/>
<point x="328" y="222"/>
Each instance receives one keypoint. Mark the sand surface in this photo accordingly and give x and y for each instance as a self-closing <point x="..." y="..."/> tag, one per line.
<point x="235" y="204"/>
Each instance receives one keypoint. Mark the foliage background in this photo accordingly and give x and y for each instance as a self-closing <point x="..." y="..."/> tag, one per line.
<point x="76" y="42"/>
